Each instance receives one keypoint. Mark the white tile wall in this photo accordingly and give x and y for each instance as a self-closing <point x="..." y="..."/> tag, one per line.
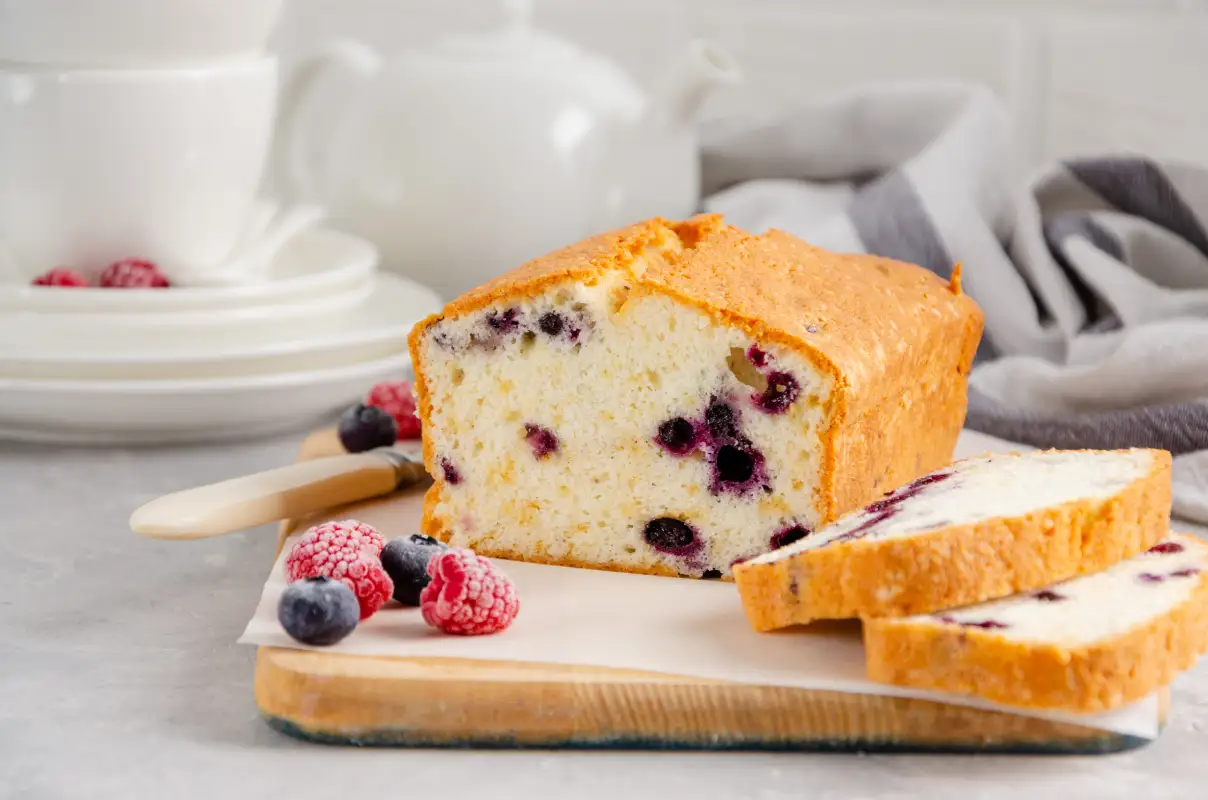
<point x="1081" y="75"/>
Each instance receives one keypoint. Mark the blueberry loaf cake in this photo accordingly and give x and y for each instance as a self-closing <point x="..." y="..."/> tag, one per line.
<point x="979" y="529"/>
<point x="1090" y="644"/>
<point x="673" y="398"/>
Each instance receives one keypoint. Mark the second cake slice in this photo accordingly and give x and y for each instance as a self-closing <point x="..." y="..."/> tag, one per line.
<point x="1090" y="644"/>
<point x="980" y="529"/>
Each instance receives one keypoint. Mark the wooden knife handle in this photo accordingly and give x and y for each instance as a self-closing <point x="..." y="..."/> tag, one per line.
<point x="287" y="492"/>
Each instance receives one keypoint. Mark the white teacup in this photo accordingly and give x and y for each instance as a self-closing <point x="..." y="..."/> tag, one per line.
<point x="108" y="33"/>
<point x="99" y="165"/>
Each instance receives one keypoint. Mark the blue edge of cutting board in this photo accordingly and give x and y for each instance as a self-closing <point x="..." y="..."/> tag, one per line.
<point x="1108" y="743"/>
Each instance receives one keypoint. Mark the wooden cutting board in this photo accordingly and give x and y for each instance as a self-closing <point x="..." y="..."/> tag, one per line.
<point x="358" y="700"/>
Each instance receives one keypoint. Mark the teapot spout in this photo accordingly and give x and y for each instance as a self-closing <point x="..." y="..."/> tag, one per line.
<point x="688" y="84"/>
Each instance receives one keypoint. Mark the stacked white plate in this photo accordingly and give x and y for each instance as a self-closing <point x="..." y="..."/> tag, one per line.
<point x="131" y="366"/>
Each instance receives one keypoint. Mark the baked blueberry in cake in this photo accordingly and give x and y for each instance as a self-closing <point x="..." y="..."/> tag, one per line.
<point x="978" y="529"/>
<point x="1089" y="644"/>
<point x="677" y="397"/>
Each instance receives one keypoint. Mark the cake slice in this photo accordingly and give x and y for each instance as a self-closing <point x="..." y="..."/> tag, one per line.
<point x="672" y="398"/>
<point x="979" y="529"/>
<point x="1090" y="644"/>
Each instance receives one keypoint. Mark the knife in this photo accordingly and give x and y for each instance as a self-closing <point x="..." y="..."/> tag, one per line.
<point x="283" y="493"/>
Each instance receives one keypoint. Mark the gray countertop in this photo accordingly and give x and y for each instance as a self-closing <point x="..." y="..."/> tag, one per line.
<point x="120" y="678"/>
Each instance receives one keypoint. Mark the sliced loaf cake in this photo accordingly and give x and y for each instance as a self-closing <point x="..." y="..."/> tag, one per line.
<point x="979" y="529"/>
<point x="1090" y="644"/>
<point x="673" y="398"/>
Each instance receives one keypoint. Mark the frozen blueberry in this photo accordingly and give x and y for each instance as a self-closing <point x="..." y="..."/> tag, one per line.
<point x="406" y="562"/>
<point x="318" y="611"/>
<point x="719" y="417"/>
<point x="1185" y="573"/>
<point x="782" y="391"/>
<point x="734" y="465"/>
<point x="757" y="357"/>
<point x="670" y="535"/>
<point x="551" y="323"/>
<point x="365" y="427"/>
<point x="788" y="536"/>
<point x="1149" y="577"/>
<point x="542" y="440"/>
<point x="677" y="435"/>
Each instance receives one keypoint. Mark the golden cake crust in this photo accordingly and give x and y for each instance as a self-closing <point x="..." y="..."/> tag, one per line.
<point x="897" y="340"/>
<point x="1092" y="678"/>
<point x="960" y="564"/>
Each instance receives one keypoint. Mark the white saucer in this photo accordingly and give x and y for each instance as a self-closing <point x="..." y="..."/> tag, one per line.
<point x="184" y="411"/>
<point x="316" y="263"/>
<point x="234" y="324"/>
<point x="376" y="328"/>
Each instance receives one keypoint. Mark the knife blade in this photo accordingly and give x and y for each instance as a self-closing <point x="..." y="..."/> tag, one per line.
<point x="282" y="493"/>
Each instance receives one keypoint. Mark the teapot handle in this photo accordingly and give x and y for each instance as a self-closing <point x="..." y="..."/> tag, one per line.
<point x="294" y="163"/>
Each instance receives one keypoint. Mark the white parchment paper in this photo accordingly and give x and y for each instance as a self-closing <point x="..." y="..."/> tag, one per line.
<point x="641" y="622"/>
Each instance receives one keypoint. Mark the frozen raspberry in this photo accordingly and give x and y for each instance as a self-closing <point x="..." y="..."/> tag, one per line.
<point x="468" y="594"/>
<point x="133" y="273"/>
<point x="323" y="546"/>
<point x="368" y="580"/>
<point x="60" y="276"/>
<point x="397" y="399"/>
<point x="346" y="551"/>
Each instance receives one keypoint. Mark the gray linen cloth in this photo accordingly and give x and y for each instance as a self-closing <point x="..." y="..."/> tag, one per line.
<point x="1092" y="272"/>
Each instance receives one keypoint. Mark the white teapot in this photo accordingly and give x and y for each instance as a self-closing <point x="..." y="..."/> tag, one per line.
<point x="467" y="159"/>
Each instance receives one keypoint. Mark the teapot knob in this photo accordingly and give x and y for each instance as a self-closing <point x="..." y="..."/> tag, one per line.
<point x="519" y="13"/>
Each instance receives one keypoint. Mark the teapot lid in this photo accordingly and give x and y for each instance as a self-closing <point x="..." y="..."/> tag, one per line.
<point x="522" y="45"/>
